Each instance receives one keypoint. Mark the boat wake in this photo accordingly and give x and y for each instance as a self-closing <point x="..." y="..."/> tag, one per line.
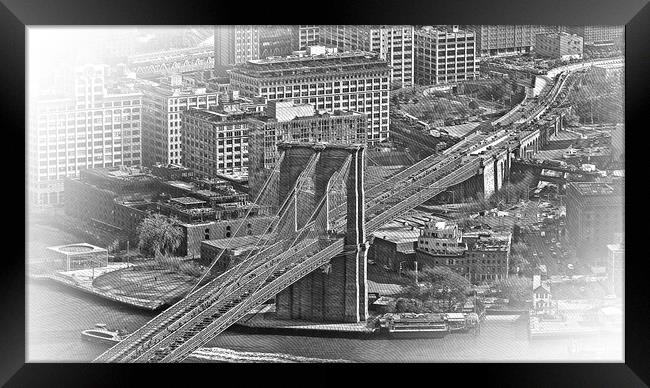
<point x="227" y="355"/>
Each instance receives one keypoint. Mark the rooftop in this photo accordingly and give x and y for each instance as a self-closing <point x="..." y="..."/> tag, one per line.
<point x="73" y="249"/>
<point x="218" y="116"/>
<point x="187" y="201"/>
<point x="317" y="115"/>
<point x="398" y="233"/>
<point x="594" y="188"/>
<point x="305" y="65"/>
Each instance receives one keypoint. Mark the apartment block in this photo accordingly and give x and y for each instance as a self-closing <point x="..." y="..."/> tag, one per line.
<point x="394" y="44"/>
<point x="97" y="124"/>
<point x="163" y="105"/>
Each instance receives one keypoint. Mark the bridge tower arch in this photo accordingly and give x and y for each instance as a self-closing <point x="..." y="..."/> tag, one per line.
<point x="338" y="291"/>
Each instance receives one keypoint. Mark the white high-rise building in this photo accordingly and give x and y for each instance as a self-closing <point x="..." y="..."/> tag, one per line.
<point x="394" y="44"/>
<point x="98" y="125"/>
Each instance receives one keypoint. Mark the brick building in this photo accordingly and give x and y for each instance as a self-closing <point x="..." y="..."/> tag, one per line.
<point x="203" y="209"/>
<point x="594" y="217"/>
<point x="444" y="55"/>
<point x="477" y="256"/>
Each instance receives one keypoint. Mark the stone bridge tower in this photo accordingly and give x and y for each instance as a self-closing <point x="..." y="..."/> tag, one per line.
<point x="337" y="293"/>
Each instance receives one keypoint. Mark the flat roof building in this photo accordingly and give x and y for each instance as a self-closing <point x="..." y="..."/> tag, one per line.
<point x="394" y="44"/>
<point x="97" y="125"/>
<point x="216" y="142"/>
<point x="599" y="35"/>
<point x="444" y="55"/>
<point x="329" y="80"/>
<point x="594" y="217"/>
<point x="559" y="45"/>
<point x="163" y="105"/>
<point x="504" y="40"/>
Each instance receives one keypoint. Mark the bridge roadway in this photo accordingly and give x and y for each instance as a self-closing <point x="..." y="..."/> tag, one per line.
<point x="209" y="310"/>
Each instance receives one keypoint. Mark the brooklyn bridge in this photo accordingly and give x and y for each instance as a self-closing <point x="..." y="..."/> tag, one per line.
<point x="313" y="258"/>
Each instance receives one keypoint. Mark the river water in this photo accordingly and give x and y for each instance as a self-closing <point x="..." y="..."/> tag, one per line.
<point x="56" y="316"/>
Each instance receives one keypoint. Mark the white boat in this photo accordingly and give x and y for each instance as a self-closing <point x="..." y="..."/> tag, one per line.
<point x="417" y="326"/>
<point x="100" y="334"/>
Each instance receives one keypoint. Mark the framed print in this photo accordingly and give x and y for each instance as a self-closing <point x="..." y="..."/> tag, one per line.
<point x="435" y="185"/>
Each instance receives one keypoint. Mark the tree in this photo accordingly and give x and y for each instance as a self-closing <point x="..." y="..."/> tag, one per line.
<point x="438" y="283"/>
<point x="473" y="105"/>
<point x="158" y="236"/>
<point x="517" y="289"/>
<point x="405" y="305"/>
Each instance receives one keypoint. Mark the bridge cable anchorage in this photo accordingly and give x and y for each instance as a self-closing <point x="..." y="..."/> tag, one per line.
<point x="185" y="347"/>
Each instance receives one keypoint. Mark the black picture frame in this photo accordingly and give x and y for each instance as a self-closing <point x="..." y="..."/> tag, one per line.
<point x="16" y="15"/>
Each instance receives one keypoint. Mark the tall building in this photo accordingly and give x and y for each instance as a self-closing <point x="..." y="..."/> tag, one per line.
<point x="234" y="45"/>
<point x="394" y="44"/>
<point x="616" y="266"/>
<point x="594" y="217"/>
<point x="559" y="45"/>
<point x="502" y="40"/>
<point x="599" y="35"/>
<point x="444" y="55"/>
<point x="276" y="41"/>
<point x="98" y="125"/>
<point x="305" y="36"/>
<point x="215" y="142"/>
<point x="351" y="81"/>
<point x="163" y="104"/>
